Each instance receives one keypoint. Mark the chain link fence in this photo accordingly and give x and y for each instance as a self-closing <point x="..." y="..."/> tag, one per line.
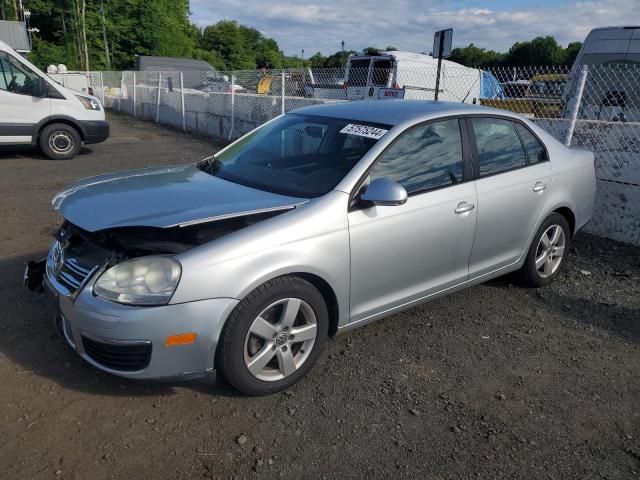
<point x="591" y="107"/>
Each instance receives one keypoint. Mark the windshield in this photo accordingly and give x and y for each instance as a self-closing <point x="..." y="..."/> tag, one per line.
<point x="296" y="155"/>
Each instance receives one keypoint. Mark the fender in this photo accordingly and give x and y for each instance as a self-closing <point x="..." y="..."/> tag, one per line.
<point x="37" y="128"/>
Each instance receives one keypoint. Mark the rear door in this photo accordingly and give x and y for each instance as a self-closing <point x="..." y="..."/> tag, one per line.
<point x="21" y="106"/>
<point x="358" y="78"/>
<point x="513" y="183"/>
<point x="381" y="76"/>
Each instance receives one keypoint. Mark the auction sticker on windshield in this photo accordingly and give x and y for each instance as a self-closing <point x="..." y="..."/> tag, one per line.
<point x="363" y="131"/>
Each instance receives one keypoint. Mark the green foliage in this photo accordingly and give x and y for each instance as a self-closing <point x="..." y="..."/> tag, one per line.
<point x="539" y="51"/>
<point x="476" y="56"/>
<point x="162" y="28"/>
<point x="8" y="10"/>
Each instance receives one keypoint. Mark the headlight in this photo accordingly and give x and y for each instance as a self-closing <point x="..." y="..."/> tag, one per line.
<point x="89" y="103"/>
<point x="141" y="281"/>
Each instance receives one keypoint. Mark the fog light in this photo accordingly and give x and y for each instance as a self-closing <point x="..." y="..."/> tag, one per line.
<point x="180" y="339"/>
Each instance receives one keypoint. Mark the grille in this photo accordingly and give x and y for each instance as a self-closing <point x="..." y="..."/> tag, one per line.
<point x="70" y="267"/>
<point x="125" y="357"/>
<point x="72" y="274"/>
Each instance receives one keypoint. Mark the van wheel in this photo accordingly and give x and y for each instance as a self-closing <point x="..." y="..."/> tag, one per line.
<point x="60" y="141"/>
<point x="273" y="337"/>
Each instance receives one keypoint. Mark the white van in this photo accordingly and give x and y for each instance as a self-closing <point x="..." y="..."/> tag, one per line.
<point x="610" y="45"/>
<point x="36" y="110"/>
<point x="379" y="75"/>
<point x="612" y="58"/>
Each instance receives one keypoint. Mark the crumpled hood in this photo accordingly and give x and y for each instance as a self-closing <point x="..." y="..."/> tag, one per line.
<point x="161" y="197"/>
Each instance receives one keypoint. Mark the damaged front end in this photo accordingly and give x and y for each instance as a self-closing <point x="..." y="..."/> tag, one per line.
<point x="76" y="254"/>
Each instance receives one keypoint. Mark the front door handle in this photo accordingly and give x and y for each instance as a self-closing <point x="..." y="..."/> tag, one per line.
<point x="464" y="207"/>
<point x="539" y="187"/>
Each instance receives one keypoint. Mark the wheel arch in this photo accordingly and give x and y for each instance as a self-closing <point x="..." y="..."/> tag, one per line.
<point x="319" y="282"/>
<point x="570" y="216"/>
<point x="59" y="119"/>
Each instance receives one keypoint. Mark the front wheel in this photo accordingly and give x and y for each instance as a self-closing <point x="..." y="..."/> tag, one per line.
<point x="274" y="336"/>
<point x="547" y="253"/>
<point x="60" y="141"/>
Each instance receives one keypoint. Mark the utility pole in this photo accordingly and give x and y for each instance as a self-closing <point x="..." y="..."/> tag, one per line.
<point x="303" y="55"/>
<point x="342" y="51"/>
<point x="107" y="58"/>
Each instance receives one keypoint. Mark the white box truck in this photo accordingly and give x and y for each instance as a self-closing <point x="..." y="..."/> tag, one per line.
<point x="375" y="75"/>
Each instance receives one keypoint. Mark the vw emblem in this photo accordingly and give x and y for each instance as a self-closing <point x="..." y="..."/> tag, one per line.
<point x="58" y="257"/>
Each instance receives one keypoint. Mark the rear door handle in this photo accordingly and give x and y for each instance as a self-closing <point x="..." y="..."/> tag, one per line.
<point x="539" y="187"/>
<point x="464" y="207"/>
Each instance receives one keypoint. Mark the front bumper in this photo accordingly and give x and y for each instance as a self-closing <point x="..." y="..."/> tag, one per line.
<point x="88" y="321"/>
<point x="95" y="131"/>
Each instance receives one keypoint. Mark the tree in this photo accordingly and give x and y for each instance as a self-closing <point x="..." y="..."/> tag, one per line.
<point x="571" y="52"/>
<point x="476" y="56"/>
<point x="539" y="51"/>
<point x="8" y="9"/>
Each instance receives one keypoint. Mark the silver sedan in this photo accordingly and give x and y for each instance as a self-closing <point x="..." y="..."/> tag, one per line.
<point x="319" y="221"/>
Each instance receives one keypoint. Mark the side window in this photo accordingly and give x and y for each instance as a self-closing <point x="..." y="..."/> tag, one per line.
<point x="423" y="158"/>
<point x="535" y="151"/>
<point x="16" y="77"/>
<point x="499" y="147"/>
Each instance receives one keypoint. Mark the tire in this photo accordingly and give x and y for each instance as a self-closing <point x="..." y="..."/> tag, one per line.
<point x="548" y="267"/>
<point x="60" y="141"/>
<point x="282" y="351"/>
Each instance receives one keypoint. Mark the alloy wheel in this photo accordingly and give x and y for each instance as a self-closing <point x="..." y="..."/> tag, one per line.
<point x="280" y="339"/>
<point x="550" y="251"/>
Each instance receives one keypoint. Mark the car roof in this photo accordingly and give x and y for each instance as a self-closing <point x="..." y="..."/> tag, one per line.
<point x="394" y="112"/>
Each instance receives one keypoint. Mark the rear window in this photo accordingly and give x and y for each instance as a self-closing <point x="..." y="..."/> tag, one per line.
<point x="381" y="72"/>
<point x="358" y="72"/>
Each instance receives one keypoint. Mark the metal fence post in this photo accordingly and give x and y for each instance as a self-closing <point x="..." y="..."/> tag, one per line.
<point x="121" y="92"/>
<point x="158" y="100"/>
<point x="134" y="94"/>
<point x="233" y="106"/>
<point x="102" y="88"/>
<point x="573" y="114"/>
<point x="282" y="110"/>
<point x="184" y="120"/>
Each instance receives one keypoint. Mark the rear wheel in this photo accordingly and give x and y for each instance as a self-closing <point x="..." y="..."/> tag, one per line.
<point x="274" y="336"/>
<point x="60" y="141"/>
<point x="547" y="253"/>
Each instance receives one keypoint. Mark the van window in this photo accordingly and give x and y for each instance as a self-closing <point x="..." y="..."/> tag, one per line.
<point x="358" y="72"/>
<point x="381" y="71"/>
<point x="608" y="58"/>
<point x="16" y="77"/>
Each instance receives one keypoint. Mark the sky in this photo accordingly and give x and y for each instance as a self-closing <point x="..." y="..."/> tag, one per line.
<point x="320" y="25"/>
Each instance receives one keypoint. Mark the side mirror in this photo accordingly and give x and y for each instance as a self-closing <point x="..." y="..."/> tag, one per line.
<point x="43" y="88"/>
<point x="384" y="192"/>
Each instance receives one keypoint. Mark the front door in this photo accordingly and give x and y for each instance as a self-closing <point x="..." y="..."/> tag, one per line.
<point x="400" y="254"/>
<point x="513" y="184"/>
<point x="21" y="106"/>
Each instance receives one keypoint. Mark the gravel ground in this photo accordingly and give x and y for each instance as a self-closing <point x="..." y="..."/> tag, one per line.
<point x="493" y="382"/>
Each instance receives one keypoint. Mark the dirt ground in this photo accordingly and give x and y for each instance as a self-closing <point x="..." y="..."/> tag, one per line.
<point x="493" y="382"/>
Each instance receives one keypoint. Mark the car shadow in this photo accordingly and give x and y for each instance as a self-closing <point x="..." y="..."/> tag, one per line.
<point x="31" y="152"/>
<point x="29" y="339"/>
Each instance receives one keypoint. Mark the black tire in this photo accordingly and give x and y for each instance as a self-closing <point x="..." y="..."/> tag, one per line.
<point x="60" y="141"/>
<point x="230" y="358"/>
<point x="529" y="274"/>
